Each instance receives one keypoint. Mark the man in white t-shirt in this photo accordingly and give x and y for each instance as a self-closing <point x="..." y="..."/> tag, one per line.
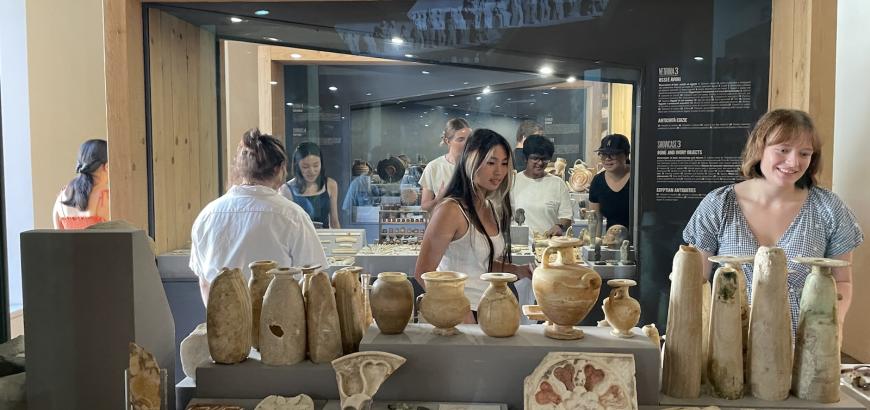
<point x="437" y="174"/>
<point x="544" y="197"/>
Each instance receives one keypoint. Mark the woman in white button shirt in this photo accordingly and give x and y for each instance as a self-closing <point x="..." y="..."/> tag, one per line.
<point x="439" y="171"/>
<point x="252" y="221"/>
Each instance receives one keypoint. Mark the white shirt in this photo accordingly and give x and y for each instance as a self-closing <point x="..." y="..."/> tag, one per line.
<point x="437" y="174"/>
<point x="545" y="200"/>
<point x="251" y="223"/>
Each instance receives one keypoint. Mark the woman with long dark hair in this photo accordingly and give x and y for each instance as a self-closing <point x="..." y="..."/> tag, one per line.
<point x="469" y="230"/>
<point x="310" y="188"/>
<point x="85" y="200"/>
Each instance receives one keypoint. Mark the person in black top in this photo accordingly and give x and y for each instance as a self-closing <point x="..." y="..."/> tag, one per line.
<point x="609" y="191"/>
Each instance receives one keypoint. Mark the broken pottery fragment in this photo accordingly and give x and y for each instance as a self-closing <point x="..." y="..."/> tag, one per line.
<point x="143" y="379"/>
<point x="360" y="375"/>
<point x="194" y="351"/>
<point x="300" y="402"/>
<point x="578" y="380"/>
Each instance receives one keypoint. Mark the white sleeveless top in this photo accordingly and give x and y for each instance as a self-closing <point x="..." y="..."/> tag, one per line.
<point x="470" y="255"/>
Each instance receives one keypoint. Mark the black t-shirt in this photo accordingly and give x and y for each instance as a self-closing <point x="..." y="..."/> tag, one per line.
<point x="614" y="205"/>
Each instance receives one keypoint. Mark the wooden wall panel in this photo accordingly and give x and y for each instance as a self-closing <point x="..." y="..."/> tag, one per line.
<point x="184" y="126"/>
<point x="621" y="109"/>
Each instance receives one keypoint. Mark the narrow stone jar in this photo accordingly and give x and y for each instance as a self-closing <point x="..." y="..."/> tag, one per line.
<point x="444" y="304"/>
<point x="498" y="311"/>
<point x="228" y="318"/>
<point x="348" y="299"/>
<point x="620" y="309"/>
<point x="682" y="364"/>
<point x="770" y="348"/>
<point x="283" y="328"/>
<point x="392" y="302"/>
<point x="260" y="279"/>
<point x="321" y="316"/>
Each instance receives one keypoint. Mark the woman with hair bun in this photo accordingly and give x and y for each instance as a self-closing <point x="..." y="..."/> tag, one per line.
<point x="85" y="200"/>
<point x="252" y="221"/>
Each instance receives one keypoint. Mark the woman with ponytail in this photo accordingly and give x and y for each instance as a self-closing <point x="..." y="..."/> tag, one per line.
<point x="85" y="200"/>
<point x="252" y="222"/>
<point x="469" y="231"/>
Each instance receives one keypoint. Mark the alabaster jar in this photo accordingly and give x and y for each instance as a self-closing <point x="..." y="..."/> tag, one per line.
<point x="260" y="278"/>
<point x="348" y="300"/>
<point x="282" y="328"/>
<point x="228" y="318"/>
<point x="620" y="309"/>
<point x="444" y="304"/>
<point x="392" y="302"/>
<point x="305" y="281"/>
<point x="565" y="289"/>
<point x="498" y="311"/>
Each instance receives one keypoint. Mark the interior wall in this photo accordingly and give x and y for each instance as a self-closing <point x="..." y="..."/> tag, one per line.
<point x="850" y="125"/>
<point x="183" y="126"/>
<point x="240" y="95"/>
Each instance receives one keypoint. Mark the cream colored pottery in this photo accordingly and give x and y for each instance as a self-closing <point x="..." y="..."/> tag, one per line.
<point x="444" y="304"/>
<point x="580" y="380"/>
<point x="194" y="351"/>
<point x="348" y="299"/>
<point x="300" y="402"/>
<point x="228" y="318"/>
<point x="324" y="331"/>
<point x="706" y="291"/>
<point x="360" y="375"/>
<point x="366" y="280"/>
<point x="816" y="374"/>
<point x="621" y="310"/>
<point x="580" y="177"/>
<point x="305" y="281"/>
<point x="498" y="311"/>
<point x="565" y="289"/>
<point x="652" y="333"/>
<point x="392" y="302"/>
<point x="735" y="262"/>
<point x="681" y="368"/>
<point x="770" y="348"/>
<point x="282" y="328"/>
<point x="559" y="167"/>
<point x="260" y="278"/>
<point x="725" y="367"/>
<point x="614" y="236"/>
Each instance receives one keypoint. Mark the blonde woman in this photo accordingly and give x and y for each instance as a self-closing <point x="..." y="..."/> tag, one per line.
<point x="439" y="171"/>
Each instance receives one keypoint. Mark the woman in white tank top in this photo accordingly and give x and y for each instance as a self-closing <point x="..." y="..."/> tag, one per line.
<point x="469" y="230"/>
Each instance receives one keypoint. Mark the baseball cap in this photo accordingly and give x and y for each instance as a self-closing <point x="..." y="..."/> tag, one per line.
<point x="614" y="144"/>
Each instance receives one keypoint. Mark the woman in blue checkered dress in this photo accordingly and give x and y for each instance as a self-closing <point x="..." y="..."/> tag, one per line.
<point x="779" y="204"/>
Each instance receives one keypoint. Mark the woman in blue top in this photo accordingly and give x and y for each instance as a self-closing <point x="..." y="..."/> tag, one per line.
<point x="310" y="188"/>
<point x="778" y="204"/>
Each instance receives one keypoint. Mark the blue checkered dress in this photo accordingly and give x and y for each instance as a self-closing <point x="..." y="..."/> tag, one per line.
<point x="824" y="227"/>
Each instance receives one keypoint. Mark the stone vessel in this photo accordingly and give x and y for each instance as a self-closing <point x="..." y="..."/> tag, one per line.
<point x="735" y="262"/>
<point x="228" y="318"/>
<point x="260" y="278"/>
<point x="498" y="311"/>
<point x="566" y="290"/>
<point x="282" y="328"/>
<point x="725" y="367"/>
<point x="770" y="349"/>
<point x="444" y="304"/>
<point x="614" y="236"/>
<point x="681" y="368"/>
<point x="816" y="374"/>
<point x="348" y="299"/>
<point x="392" y="302"/>
<point x="305" y="281"/>
<point x="321" y="315"/>
<point x="621" y="310"/>
<point x="194" y="351"/>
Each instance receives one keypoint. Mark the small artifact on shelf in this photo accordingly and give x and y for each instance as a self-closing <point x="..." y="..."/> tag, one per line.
<point x="300" y="402"/>
<point x="498" y="311"/>
<point x="621" y="310"/>
<point x="683" y="357"/>
<point x="770" y="348"/>
<point x="614" y="236"/>
<point x="143" y="379"/>
<point x="194" y="351"/>
<point x="260" y="279"/>
<point x="305" y="282"/>
<point x="735" y="262"/>
<point x="652" y="333"/>
<point x="321" y="315"/>
<point x="534" y="312"/>
<point x="444" y="304"/>
<point x="816" y="375"/>
<point x="392" y="302"/>
<point x="348" y="299"/>
<point x="578" y="380"/>
<point x="580" y="176"/>
<point x="565" y="290"/>
<point x="213" y="407"/>
<point x="594" y="218"/>
<point x="596" y="254"/>
<point x="519" y="216"/>
<point x="360" y="375"/>
<point x="282" y="326"/>
<point x="228" y="318"/>
<point x="623" y="254"/>
<point x="725" y="367"/>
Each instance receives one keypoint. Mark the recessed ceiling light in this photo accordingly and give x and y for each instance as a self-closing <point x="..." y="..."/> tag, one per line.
<point x="478" y="98"/>
<point x="273" y="82"/>
<point x="262" y="12"/>
<point x="452" y="95"/>
<point x="236" y="19"/>
<point x="409" y="56"/>
<point x="335" y="106"/>
<point x="342" y="117"/>
<point x="465" y="83"/>
<point x="368" y="93"/>
<point x="531" y="103"/>
<point x="397" y="40"/>
<point x="333" y="88"/>
<point x="571" y="79"/>
<point x="497" y="106"/>
<point x="553" y="87"/>
<point x="289" y="104"/>
<point x="698" y="58"/>
<point x="546" y="70"/>
<point x="424" y="72"/>
<point x="271" y="38"/>
<point x="545" y="93"/>
<point x="467" y="114"/>
<point x="426" y="125"/>
<point x="487" y="90"/>
<point x="508" y="99"/>
<point x="295" y="56"/>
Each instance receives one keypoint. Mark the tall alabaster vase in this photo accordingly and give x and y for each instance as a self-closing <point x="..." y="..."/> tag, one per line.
<point x="725" y="366"/>
<point x="392" y="302"/>
<point x="260" y="279"/>
<point x="228" y="318"/>
<point x="683" y="360"/>
<point x="621" y="310"/>
<point x="282" y="325"/>
<point x="321" y="315"/>
<point x="770" y="349"/>
<point x="816" y="374"/>
<point x="498" y="311"/>
<point x="444" y="304"/>
<point x="566" y="290"/>
<point x="736" y="262"/>
<point x="305" y="281"/>
<point x="349" y="301"/>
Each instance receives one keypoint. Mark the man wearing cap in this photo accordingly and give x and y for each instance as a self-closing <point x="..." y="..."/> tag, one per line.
<point x="609" y="190"/>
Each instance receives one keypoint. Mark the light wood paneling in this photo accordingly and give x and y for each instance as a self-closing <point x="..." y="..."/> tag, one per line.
<point x="183" y="124"/>
<point x="620" y="109"/>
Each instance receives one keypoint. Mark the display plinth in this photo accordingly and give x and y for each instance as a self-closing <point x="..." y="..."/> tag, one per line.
<point x="749" y="402"/>
<point x="376" y="405"/>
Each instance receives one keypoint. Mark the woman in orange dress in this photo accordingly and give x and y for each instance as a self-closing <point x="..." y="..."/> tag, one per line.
<point x="85" y="200"/>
